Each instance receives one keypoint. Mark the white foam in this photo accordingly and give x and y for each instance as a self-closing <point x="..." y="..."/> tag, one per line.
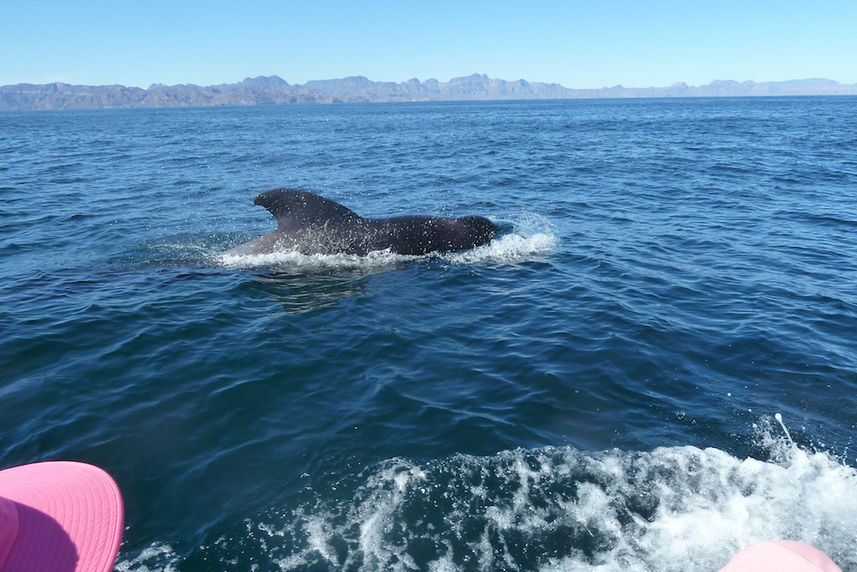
<point x="157" y="556"/>
<point x="294" y="260"/>
<point x="318" y="535"/>
<point x="673" y="508"/>
<point x="508" y="248"/>
<point x="531" y="236"/>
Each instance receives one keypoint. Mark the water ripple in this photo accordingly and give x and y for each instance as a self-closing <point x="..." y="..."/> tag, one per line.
<point x="579" y="392"/>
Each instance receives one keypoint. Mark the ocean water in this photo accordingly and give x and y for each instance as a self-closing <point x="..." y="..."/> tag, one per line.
<point x="598" y="388"/>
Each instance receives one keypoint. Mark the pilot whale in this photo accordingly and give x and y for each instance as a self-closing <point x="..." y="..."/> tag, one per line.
<point x="311" y="224"/>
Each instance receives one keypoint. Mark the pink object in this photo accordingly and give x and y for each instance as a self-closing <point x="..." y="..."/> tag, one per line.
<point x="60" y="516"/>
<point x="781" y="556"/>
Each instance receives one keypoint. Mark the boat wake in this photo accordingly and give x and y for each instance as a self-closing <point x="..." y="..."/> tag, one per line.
<point x="559" y="508"/>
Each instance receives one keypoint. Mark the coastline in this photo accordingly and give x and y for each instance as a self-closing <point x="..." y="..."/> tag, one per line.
<point x="273" y="90"/>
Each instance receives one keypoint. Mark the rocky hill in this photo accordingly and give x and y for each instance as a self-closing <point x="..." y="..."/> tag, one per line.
<point x="274" y="90"/>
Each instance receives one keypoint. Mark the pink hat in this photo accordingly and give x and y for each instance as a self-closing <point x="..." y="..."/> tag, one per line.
<point x="781" y="556"/>
<point x="59" y="515"/>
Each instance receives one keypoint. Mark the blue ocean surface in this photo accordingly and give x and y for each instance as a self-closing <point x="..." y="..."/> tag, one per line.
<point x="597" y="388"/>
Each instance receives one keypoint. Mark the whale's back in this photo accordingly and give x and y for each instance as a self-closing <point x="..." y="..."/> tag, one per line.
<point x="416" y="235"/>
<point x="312" y="224"/>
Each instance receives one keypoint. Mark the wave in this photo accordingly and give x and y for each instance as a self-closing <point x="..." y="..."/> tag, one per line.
<point x="559" y="508"/>
<point x="527" y="239"/>
<point x="507" y="249"/>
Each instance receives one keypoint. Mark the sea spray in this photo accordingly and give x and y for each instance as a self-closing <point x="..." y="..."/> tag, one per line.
<point x="559" y="508"/>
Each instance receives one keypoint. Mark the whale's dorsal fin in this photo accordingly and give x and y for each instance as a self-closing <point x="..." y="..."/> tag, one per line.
<point x="297" y="209"/>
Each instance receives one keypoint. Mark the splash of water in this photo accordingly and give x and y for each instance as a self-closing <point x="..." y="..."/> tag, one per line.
<point x="558" y="508"/>
<point x="508" y="248"/>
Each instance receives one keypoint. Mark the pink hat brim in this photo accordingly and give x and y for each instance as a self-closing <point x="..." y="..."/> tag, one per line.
<point x="70" y="517"/>
<point x="781" y="556"/>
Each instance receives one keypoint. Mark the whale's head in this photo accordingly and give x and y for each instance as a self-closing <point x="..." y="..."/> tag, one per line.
<point x="481" y="229"/>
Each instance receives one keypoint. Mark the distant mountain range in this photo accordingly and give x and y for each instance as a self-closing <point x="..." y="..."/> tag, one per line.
<point x="273" y="90"/>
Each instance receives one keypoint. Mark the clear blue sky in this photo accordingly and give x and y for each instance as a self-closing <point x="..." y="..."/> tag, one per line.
<point x="576" y="43"/>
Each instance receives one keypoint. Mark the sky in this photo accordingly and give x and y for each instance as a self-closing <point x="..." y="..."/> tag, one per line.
<point x="579" y="44"/>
